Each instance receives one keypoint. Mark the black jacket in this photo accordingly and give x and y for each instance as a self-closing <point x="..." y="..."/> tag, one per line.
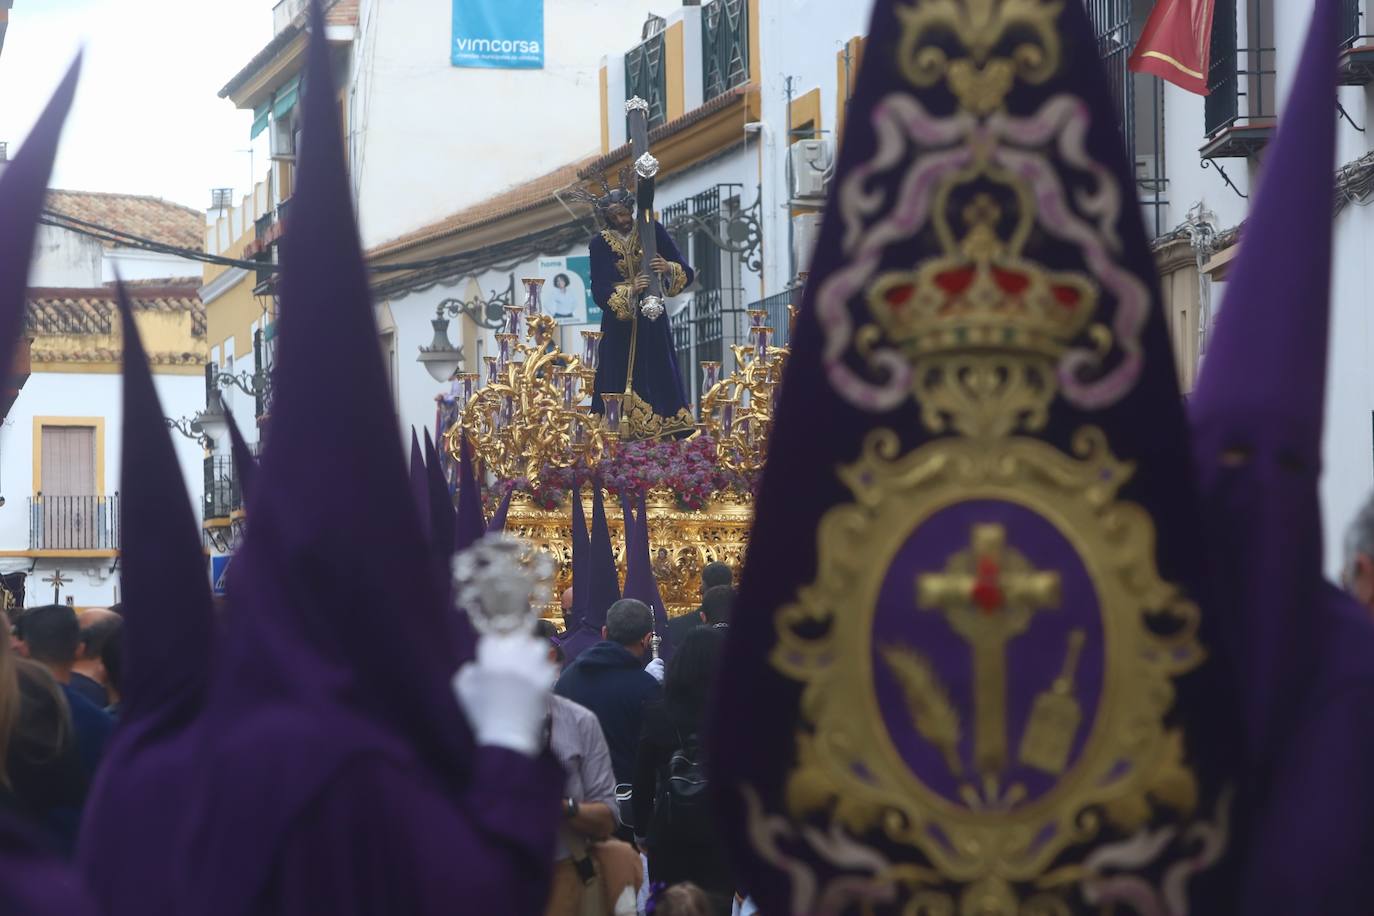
<point x="612" y="683"/>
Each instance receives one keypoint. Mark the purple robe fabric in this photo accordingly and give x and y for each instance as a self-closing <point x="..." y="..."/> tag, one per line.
<point x="823" y="421"/>
<point x="443" y="522"/>
<point x="31" y="881"/>
<point x="331" y="683"/>
<point x="640" y="582"/>
<point x="471" y="525"/>
<point x="1303" y="652"/>
<point x="138" y="798"/>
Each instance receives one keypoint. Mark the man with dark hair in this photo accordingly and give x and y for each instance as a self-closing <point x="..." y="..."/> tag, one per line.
<point x="713" y="575"/>
<point x="716" y="606"/>
<point x="610" y="680"/>
<point x="51" y="636"/>
<point x="89" y="677"/>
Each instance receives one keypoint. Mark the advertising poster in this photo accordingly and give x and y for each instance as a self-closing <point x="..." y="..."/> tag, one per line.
<point x="568" y="290"/>
<point x="501" y="34"/>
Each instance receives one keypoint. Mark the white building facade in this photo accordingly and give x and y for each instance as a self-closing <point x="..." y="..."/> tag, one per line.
<point x="60" y="443"/>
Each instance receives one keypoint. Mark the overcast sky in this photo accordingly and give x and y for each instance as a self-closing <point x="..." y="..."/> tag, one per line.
<point x="147" y="117"/>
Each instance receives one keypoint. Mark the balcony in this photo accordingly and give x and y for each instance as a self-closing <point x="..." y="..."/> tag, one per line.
<point x="1357" y="48"/>
<point x="222" y="495"/>
<point x="724" y="46"/>
<point x="779" y="318"/>
<point x="1240" y="109"/>
<point x="646" y="78"/>
<point x="74" y="524"/>
<point x="698" y="336"/>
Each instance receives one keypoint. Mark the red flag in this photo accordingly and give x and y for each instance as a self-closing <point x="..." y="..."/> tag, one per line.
<point x="1176" y="43"/>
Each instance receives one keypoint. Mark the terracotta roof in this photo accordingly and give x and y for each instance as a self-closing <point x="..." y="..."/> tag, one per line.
<point x="109" y="355"/>
<point x="94" y="311"/>
<point x="519" y="199"/>
<point x="663" y="131"/>
<point x="147" y="217"/>
<point x="340" y="12"/>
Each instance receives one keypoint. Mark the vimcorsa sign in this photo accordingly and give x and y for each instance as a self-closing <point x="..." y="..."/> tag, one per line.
<point x="503" y="34"/>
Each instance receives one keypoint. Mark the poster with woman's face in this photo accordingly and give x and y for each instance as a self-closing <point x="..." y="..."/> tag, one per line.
<point x="567" y="289"/>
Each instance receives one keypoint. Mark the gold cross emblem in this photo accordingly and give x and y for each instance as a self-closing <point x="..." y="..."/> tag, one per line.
<point x="988" y="594"/>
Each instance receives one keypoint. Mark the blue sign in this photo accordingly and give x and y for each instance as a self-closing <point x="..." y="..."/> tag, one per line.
<point x="505" y="34"/>
<point x="218" y="567"/>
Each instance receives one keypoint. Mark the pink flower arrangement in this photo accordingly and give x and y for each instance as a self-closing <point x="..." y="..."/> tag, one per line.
<point x="686" y="468"/>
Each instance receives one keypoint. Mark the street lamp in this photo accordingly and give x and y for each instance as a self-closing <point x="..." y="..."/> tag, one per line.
<point x="441" y="359"/>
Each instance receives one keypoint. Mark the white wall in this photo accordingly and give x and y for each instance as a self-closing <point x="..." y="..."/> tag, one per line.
<point x="65" y="259"/>
<point x="798" y="38"/>
<point x="59" y="394"/>
<point x="431" y="139"/>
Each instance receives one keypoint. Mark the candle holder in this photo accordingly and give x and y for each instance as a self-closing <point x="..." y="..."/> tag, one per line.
<point x="505" y="344"/>
<point x="493" y="369"/>
<point x="467" y="387"/>
<point x="710" y="374"/>
<point x="534" y="287"/>
<point x="612" y="403"/>
<point x="591" y="349"/>
<point x="513" y="313"/>
<point x="757" y="317"/>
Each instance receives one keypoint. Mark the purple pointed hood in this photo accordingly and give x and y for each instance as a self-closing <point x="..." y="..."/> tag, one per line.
<point x="245" y="462"/>
<point x="1258" y="407"/>
<point x="980" y="389"/>
<point x="604" y="588"/>
<point x="471" y="524"/>
<point x="331" y="655"/>
<point x="581" y="564"/>
<point x="23" y="189"/>
<point x="498" y="520"/>
<point x="140" y="794"/>
<point x="442" y="521"/>
<point x="419" y="480"/>
<point x="640" y="582"/>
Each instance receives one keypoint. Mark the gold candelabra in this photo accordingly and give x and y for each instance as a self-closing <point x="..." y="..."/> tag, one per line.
<point x="533" y="408"/>
<point x="737" y="410"/>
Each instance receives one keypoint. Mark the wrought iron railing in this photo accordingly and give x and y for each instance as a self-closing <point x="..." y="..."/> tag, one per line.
<point x="1236" y="72"/>
<point x="698" y="336"/>
<point x="56" y="320"/>
<point x="1352" y="24"/>
<point x="646" y="78"/>
<point x="724" y="46"/>
<point x="222" y="497"/>
<point x="74" y="522"/>
<point x="1139" y="99"/>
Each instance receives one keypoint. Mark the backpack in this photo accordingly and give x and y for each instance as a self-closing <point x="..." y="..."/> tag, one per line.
<point x="686" y="790"/>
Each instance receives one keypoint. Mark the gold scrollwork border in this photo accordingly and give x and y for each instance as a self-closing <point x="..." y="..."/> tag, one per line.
<point x="857" y="542"/>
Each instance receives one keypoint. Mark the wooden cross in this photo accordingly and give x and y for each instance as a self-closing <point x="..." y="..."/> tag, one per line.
<point x="988" y="595"/>
<point x="646" y="168"/>
<point x="57" y="580"/>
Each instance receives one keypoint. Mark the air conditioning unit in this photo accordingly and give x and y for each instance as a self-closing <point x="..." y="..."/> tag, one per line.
<point x="282" y="139"/>
<point x="813" y="164"/>
<point x="806" y="231"/>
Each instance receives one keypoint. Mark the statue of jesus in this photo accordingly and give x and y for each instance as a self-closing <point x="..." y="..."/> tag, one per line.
<point x="637" y="356"/>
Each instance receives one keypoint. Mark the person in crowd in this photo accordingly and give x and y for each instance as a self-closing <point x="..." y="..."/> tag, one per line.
<point x="671" y="811"/>
<point x="609" y="679"/>
<point x="42" y="761"/>
<point x="713" y="575"/>
<point x="684" y="899"/>
<point x="112" y="658"/>
<point x="586" y="860"/>
<point x="51" y="636"/>
<point x="9" y="720"/>
<point x="89" y="677"/>
<point x="545" y="628"/>
<point x="717" y="605"/>
<point x="1357" y="572"/>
